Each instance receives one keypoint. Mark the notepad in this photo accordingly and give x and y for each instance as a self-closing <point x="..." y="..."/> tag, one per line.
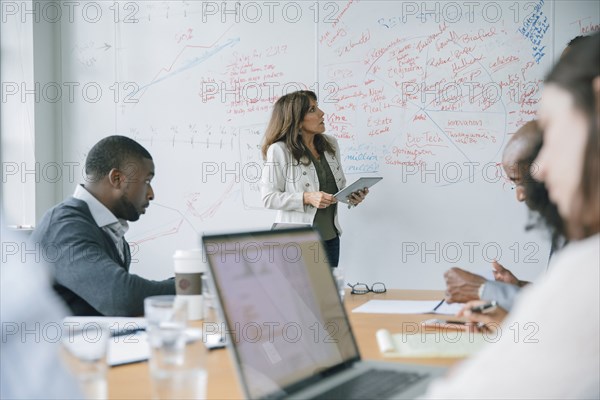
<point x="441" y="344"/>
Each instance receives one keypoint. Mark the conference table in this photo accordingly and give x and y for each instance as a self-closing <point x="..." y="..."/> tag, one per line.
<point x="133" y="381"/>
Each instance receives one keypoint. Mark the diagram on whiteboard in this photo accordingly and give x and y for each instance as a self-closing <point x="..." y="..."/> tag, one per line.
<point x="438" y="92"/>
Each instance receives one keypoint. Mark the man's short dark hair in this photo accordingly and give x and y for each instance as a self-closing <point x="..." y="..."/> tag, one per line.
<point x="113" y="152"/>
<point x="575" y="40"/>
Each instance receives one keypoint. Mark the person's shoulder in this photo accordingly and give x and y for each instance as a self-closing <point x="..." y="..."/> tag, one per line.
<point x="580" y="250"/>
<point x="72" y="208"/>
<point x="278" y="149"/>
<point x="70" y="212"/>
<point x="576" y="266"/>
<point x="332" y="140"/>
<point x="278" y="145"/>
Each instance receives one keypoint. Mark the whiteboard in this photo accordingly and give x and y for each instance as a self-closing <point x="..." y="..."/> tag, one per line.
<point x="195" y="86"/>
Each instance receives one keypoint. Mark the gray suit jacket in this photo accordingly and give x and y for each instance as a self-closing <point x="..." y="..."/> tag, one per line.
<point x="87" y="270"/>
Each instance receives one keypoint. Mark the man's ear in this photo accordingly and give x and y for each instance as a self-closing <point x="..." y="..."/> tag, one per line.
<point x="115" y="178"/>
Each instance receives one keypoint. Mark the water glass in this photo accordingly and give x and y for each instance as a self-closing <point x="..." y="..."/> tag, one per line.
<point x="176" y="370"/>
<point x="85" y="348"/>
<point x="210" y="300"/>
<point x="338" y="276"/>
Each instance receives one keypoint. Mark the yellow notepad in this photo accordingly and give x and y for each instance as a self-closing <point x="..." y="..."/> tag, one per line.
<point x="444" y="343"/>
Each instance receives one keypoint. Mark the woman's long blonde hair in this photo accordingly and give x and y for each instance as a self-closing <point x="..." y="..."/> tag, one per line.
<point x="284" y="125"/>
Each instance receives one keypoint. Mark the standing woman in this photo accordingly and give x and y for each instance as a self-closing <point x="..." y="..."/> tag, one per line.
<point x="561" y="356"/>
<point x="302" y="169"/>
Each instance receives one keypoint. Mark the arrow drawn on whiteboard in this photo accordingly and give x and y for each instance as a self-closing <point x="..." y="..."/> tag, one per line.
<point x="191" y="64"/>
<point x="209" y="212"/>
<point x="163" y="230"/>
<point x="192" y="210"/>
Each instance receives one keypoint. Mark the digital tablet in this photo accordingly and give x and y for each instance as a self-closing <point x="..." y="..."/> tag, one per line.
<point x="288" y="225"/>
<point x="361" y="183"/>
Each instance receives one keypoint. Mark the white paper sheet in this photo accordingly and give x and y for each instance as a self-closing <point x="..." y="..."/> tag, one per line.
<point x="115" y="324"/>
<point x="131" y="346"/>
<point x="407" y="307"/>
<point x="448" y="309"/>
<point x="127" y="349"/>
<point x="134" y="347"/>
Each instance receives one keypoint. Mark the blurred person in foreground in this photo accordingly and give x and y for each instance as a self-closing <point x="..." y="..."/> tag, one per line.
<point x="31" y="317"/>
<point x="557" y="352"/>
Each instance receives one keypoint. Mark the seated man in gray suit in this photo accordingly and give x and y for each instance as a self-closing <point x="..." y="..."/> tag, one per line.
<point x="518" y="156"/>
<point x="84" y="235"/>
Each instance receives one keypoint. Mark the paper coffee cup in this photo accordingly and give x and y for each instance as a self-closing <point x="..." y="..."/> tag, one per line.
<point x="189" y="268"/>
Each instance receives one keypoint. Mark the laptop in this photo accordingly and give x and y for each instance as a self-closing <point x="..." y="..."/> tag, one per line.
<point x="286" y="327"/>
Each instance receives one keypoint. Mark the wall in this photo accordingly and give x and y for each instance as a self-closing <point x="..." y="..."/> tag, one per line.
<point x="403" y="90"/>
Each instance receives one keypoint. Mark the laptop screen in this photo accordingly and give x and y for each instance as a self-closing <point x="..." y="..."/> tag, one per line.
<point x="284" y="316"/>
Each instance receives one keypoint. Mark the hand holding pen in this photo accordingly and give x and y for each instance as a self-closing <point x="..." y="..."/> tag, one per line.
<point x="483" y="315"/>
<point x="485" y="308"/>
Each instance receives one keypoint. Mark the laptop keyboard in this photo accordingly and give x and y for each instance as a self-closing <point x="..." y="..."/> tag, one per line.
<point x="373" y="384"/>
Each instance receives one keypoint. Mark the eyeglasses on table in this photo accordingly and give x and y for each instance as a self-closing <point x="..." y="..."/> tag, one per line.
<point x="363" y="288"/>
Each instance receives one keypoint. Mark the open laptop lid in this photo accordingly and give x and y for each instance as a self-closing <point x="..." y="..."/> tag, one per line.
<point x="287" y="327"/>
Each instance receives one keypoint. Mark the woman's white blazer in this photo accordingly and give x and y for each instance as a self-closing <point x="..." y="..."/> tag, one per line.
<point x="284" y="181"/>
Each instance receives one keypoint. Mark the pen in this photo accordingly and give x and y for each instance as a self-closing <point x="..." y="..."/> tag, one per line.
<point x="485" y="308"/>
<point x="439" y="304"/>
<point x="452" y="322"/>
<point x="125" y="332"/>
